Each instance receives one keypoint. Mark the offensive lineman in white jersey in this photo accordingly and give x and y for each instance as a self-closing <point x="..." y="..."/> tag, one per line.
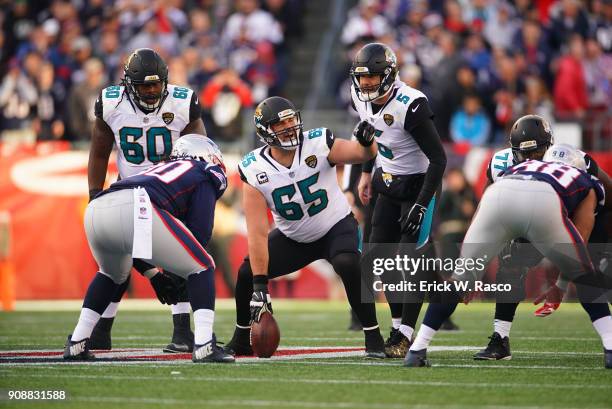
<point x="412" y="163"/>
<point x="294" y="176"/>
<point x="143" y="117"/>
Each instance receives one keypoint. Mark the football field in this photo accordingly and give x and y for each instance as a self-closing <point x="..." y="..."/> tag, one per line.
<point x="557" y="363"/>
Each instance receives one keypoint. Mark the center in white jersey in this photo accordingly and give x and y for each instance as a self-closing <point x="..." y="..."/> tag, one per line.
<point x="144" y="139"/>
<point x="305" y="199"/>
<point x="398" y="152"/>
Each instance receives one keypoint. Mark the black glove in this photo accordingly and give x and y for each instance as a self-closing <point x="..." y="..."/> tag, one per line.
<point x="260" y="301"/>
<point x="93" y="193"/>
<point x="411" y="221"/>
<point x="166" y="288"/>
<point x="364" y="132"/>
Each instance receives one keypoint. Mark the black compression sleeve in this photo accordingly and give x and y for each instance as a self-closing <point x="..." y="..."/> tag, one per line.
<point x="98" y="107"/>
<point x="195" y="110"/>
<point x="426" y="136"/>
<point x="368" y="166"/>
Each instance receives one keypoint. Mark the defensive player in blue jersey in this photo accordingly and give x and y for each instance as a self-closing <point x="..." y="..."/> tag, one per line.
<point x="557" y="226"/>
<point x="163" y="215"/>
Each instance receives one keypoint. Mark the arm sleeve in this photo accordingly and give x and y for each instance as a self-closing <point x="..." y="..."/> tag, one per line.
<point x="489" y="174"/>
<point x="201" y="215"/>
<point x="426" y="136"/>
<point x="329" y="138"/>
<point x="195" y="110"/>
<point x="417" y="113"/>
<point x="368" y="166"/>
<point x="98" y="111"/>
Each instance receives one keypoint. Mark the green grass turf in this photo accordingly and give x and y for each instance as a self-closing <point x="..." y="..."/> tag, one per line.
<point x="557" y="363"/>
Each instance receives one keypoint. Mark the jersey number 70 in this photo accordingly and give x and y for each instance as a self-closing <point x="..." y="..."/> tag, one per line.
<point x="292" y="210"/>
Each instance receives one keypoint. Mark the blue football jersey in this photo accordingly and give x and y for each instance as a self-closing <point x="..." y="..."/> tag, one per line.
<point x="571" y="184"/>
<point x="187" y="189"/>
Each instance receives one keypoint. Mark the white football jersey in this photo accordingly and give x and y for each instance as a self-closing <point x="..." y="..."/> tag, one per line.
<point x="144" y="139"/>
<point x="503" y="159"/>
<point x="305" y="199"/>
<point x="398" y="152"/>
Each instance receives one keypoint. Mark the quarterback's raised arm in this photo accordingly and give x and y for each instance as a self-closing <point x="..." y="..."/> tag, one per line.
<point x="255" y="211"/>
<point x="102" y="140"/>
<point x="359" y="151"/>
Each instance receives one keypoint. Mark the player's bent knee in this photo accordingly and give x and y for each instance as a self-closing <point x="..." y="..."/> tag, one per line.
<point x="346" y="264"/>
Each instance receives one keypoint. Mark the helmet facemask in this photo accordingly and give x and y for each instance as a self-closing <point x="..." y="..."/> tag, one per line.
<point x="139" y="99"/>
<point x="384" y="86"/>
<point x="289" y="138"/>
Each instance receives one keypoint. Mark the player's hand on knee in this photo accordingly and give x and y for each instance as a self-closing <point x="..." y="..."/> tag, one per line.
<point x="552" y="300"/>
<point x="261" y="300"/>
<point x="411" y="220"/>
<point x="166" y="288"/>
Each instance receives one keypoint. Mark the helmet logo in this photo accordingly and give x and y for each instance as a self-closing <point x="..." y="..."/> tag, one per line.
<point x="311" y="161"/>
<point x="361" y="69"/>
<point x="390" y="57"/>
<point x="258" y="114"/>
<point x="168" y="117"/>
<point x="528" y="144"/>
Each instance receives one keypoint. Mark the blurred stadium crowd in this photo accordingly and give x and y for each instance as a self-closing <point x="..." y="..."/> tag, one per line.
<point x="57" y="55"/>
<point x="484" y="63"/>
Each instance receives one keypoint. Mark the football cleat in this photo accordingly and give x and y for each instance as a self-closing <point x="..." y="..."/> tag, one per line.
<point x="182" y="336"/>
<point x="77" y="351"/>
<point x="417" y="359"/>
<point x="498" y="349"/>
<point x="397" y="344"/>
<point x="608" y="358"/>
<point x="240" y="344"/>
<point x="101" y="336"/>
<point x="210" y="352"/>
<point x="374" y="345"/>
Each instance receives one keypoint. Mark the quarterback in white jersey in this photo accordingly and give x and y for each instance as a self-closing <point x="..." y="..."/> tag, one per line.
<point x="143" y="117"/>
<point x="411" y="163"/>
<point x="294" y="176"/>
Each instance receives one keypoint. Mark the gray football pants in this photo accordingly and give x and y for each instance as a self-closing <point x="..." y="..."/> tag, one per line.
<point x="109" y="226"/>
<point x="529" y="209"/>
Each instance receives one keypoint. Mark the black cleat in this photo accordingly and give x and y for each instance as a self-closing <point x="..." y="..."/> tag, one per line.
<point x="77" y="351"/>
<point x="101" y="336"/>
<point x="608" y="358"/>
<point x="396" y="346"/>
<point x="449" y="325"/>
<point x="240" y="344"/>
<point x="374" y="344"/>
<point x="417" y="359"/>
<point x="182" y="336"/>
<point x="498" y="349"/>
<point x="210" y="352"/>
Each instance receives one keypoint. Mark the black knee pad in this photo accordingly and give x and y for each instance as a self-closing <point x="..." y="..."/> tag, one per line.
<point x="346" y="264"/>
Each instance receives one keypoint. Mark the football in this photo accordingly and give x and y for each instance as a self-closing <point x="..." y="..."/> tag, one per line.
<point x="265" y="336"/>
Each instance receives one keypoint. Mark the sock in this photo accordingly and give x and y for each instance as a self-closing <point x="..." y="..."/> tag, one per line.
<point x="406" y="330"/>
<point x="603" y="326"/>
<point x="502" y="327"/>
<point x="423" y="338"/>
<point x="203" y="320"/>
<point x="100" y="293"/>
<point x="180" y="308"/>
<point x="396" y="322"/>
<point x="201" y="288"/>
<point x="87" y="321"/>
<point x="505" y="311"/>
<point x="111" y="310"/>
<point x="437" y="313"/>
<point x="181" y="322"/>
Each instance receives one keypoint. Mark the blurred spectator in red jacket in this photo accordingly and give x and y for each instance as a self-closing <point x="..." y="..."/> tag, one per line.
<point x="570" y="92"/>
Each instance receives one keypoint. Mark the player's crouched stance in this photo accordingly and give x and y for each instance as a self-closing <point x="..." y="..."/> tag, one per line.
<point x="560" y="191"/>
<point x="295" y="177"/>
<point x="163" y="215"/>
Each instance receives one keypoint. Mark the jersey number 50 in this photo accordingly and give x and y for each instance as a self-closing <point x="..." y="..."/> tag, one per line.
<point x="292" y="210"/>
